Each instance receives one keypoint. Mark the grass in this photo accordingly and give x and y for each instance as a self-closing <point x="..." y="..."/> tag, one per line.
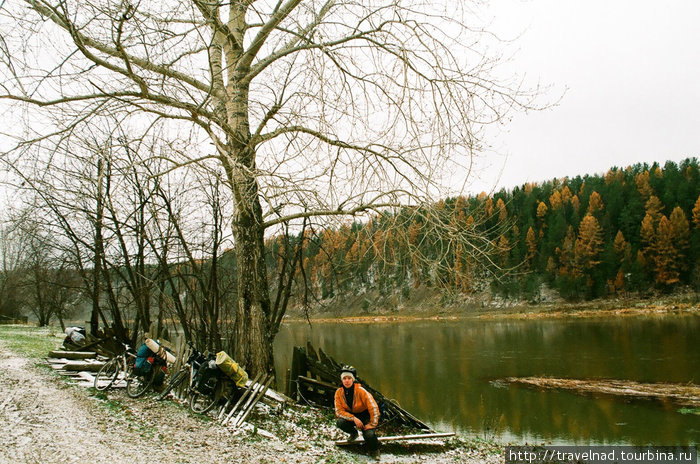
<point x="31" y="342"/>
<point x="111" y="405"/>
<point x="35" y="343"/>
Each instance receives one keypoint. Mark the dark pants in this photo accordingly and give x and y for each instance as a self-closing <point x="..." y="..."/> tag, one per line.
<point x="348" y="426"/>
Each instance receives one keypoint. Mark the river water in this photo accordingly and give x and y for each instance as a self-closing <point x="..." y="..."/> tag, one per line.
<point x="444" y="372"/>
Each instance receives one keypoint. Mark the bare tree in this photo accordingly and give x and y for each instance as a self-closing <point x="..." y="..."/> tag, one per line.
<point x="42" y="278"/>
<point x="314" y="108"/>
<point x="12" y="253"/>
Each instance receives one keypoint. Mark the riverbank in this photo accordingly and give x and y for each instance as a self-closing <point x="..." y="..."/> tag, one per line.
<point x="44" y="418"/>
<point x="429" y="306"/>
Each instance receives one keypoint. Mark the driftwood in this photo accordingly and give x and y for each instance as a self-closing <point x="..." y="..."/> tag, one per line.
<point x="680" y="394"/>
<point x="314" y="378"/>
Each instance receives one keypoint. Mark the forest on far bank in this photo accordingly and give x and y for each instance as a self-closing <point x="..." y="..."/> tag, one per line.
<point x="146" y="257"/>
<point x="631" y="231"/>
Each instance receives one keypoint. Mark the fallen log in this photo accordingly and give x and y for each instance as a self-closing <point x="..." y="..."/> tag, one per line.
<point x="681" y="394"/>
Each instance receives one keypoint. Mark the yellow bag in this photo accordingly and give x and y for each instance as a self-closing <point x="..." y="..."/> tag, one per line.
<point x="231" y="368"/>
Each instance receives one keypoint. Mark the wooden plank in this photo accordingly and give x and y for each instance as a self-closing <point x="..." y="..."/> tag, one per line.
<point x="298" y="368"/>
<point x="421" y="436"/>
<point x="278" y="397"/>
<point x="288" y="384"/>
<point x="87" y="376"/>
<point x="83" y="366"/>
<point x="62" y="354"/>
<point x="180" y="349"/>
<point x="320" y="383"/>
<point x="250" y="385"/>
<point x="56" y="361"/>
<point x="328" y="360"/>
<point x="91" y="344"/>
<point x="251" y="398"/>
<point x="310" y="352"/>
<point x="327" y="371"/>
<point x="223" y="416"/>
<point x="259" y="395"/>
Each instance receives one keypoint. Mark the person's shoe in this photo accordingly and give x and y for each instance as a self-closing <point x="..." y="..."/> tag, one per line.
<point x="353" y="435"/>
<point x="375" y="454"/>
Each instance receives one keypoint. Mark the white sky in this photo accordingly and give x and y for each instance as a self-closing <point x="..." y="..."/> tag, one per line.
<point x="630" y="74"/>
<point x="631" y="71"/>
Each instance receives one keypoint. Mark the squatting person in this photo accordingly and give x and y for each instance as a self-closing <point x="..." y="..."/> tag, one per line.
<point x="356" y="409"/>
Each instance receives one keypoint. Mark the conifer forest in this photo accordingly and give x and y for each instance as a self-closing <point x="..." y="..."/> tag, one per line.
<point x="632" y="230"/>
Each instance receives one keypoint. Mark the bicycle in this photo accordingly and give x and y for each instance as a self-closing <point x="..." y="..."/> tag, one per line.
<point x="212" y="389"/>
<point x="187" y="372"/>
<point x="109" y="372"/>
<point x="137" y="383"/>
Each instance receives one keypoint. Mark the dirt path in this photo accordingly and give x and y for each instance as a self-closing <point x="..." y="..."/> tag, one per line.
<point x="44" y="419"/>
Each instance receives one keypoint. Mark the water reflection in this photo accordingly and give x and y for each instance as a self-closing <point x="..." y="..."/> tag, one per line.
<point x="441" y="371"/>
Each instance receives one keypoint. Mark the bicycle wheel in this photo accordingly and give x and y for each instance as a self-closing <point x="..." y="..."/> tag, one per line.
<point x="107" y="374"/>
<point x="136" y="385"/>
<point x="175" y="381"/>
<point x="201" y="403"/>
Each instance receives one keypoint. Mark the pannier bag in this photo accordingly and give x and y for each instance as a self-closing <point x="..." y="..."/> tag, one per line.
<point x="160" y="350"/>
<point x="231" y="368"/>
<point x="142" y="365"/>
<point x="206" y="377"/>
<point x="145" y="358"/>
<point x="75" y="335"/>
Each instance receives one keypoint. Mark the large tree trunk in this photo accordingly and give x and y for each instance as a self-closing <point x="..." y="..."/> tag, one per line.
<point x="253" y="342"/>
<point x="252" y="328"/>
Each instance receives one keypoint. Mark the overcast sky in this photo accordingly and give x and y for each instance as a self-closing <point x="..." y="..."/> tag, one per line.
<point x="630" y="70"/>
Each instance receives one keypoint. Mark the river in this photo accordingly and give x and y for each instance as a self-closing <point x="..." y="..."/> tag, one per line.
<point x="444" y="372"/>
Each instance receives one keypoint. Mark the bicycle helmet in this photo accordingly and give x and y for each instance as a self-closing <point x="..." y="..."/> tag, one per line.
<point x="345" y="370"/>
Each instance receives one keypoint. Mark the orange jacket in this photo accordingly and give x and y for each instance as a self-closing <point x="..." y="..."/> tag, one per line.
<point x="362" y="400"/>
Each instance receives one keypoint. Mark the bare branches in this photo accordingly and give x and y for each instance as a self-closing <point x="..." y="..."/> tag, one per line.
<point x="355" y="107"/>
<point x="371" y="206"/>
<point x="384" y="75"/>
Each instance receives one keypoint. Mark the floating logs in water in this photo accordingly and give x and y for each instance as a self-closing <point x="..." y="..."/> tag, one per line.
<point x="687" y="394"/>
<point x="314" y="378"/>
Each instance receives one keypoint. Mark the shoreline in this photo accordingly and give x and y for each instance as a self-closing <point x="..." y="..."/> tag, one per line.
<point x="54" y="418"/>
<point x="582" y="311"/>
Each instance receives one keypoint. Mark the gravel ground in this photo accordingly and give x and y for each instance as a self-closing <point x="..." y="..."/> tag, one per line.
<point x="45" y="419"/>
